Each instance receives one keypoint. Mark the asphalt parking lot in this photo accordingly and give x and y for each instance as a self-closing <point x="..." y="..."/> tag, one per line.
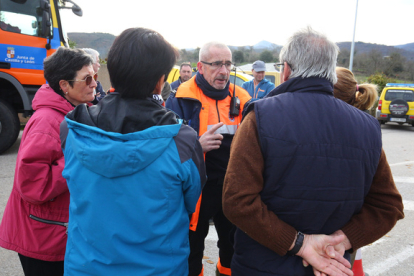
<point x="391" y="255"/>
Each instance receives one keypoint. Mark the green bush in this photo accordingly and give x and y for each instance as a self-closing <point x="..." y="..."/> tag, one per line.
<point x="266" y="56"/>
<point x="380" y="79"/>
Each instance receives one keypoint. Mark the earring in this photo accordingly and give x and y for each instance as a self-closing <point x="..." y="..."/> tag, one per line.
<point x="66" y="92"/>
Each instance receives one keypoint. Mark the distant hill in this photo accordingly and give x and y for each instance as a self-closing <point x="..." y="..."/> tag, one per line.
<point x="258" y="47"/>
<point x="265" y="45"/>
<point x="408" y="47"/>
<point x="362" y="47"/>
<point x="101" y="42"/>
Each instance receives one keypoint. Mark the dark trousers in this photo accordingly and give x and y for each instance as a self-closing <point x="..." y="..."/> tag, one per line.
<point x="35" y="267"/>
<point x="211" y="207"/>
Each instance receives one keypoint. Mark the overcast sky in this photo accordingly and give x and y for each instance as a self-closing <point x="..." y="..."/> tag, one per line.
<point x="190" y="24"/>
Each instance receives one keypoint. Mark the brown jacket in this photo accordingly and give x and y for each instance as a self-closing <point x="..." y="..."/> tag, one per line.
<point x="243" y="206"/>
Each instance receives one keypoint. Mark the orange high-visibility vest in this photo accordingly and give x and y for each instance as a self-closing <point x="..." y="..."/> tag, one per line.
<point x="212" y="112"/>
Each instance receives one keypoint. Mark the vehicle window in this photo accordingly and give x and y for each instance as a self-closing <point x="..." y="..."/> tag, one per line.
<point x="270" y="78"/>
<point x="239" y="81"/>
<point x="407" y="95"/>
<point x="24" y="17"/>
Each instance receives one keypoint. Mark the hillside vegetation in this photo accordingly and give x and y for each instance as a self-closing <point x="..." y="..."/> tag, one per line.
<point x="99" y="41"/>
<point x="392" y="61"/>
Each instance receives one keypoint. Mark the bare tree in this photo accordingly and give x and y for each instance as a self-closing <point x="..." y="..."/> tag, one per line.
<point x="394" y="64"/>
<point x="376" y="59"/>
<point x="410" y="70"/>
<point x="343" y="58"/>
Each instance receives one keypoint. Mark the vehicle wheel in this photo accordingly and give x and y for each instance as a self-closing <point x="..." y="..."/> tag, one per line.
<point x="398" y="108"/>
<point x="9" y="126"/>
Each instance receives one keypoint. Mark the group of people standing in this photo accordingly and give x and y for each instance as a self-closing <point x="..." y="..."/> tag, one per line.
<point x="294" y="181"/>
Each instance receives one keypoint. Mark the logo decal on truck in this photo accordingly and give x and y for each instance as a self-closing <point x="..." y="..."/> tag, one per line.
<point x="10" y="52"/>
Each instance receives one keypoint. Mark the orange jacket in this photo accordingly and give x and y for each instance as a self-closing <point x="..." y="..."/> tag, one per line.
<point x="202" y="112"/>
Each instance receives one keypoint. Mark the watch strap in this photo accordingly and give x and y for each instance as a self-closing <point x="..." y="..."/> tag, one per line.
<point x="298" y="244"/>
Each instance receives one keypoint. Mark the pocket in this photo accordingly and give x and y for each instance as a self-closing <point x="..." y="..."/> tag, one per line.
<point x="64" y="224"/>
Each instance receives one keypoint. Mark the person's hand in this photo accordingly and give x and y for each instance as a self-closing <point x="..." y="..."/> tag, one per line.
<point x="340" y="248"/>
<point x="324" y="260"/>
<point x="209" y="140"/>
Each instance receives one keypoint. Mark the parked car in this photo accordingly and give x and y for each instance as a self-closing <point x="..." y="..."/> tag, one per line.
<point x="240" y="78"/>
<point x="396" y="104"/>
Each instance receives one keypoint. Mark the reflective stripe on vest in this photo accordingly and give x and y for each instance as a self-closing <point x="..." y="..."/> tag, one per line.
<point x="225" y="129"/>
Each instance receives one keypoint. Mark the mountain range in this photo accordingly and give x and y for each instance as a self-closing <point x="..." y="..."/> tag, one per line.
<point x="103" y="41"/>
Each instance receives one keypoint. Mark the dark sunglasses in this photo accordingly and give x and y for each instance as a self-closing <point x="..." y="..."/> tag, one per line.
<point x="87" y="79"/>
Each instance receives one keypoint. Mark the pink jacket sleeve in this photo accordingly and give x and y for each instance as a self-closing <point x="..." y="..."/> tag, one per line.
<point x="39" y="165"/>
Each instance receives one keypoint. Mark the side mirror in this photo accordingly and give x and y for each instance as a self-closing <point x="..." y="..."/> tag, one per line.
<point x="45" y="7"/>
<point x="75" y="8"/>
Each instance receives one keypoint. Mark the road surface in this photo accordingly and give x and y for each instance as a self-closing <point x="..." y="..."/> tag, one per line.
<point x="391" y="255"/>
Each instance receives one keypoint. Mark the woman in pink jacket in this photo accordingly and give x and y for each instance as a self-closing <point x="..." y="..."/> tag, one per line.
<point x="35" y="219"/>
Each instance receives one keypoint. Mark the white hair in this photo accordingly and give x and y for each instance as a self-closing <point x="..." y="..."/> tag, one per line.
<point x="310" y="54"/>
<point x="205" y="50"/>
<point x="92" y="53"/>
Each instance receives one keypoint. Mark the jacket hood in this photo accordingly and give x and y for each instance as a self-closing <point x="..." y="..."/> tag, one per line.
<point x="123" y="135"/>
<point x="118" y="154"/>
<point x="46" y="97"/>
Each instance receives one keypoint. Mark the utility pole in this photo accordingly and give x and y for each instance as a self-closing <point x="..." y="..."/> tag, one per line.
<point x="351" y="59"/>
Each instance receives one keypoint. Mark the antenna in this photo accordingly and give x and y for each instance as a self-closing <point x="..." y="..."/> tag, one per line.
<point x="234" y="83"/>
<point x="235" y="102"/>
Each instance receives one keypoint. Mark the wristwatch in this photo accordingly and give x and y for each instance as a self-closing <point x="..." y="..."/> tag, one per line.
<point x="298" y="244"/>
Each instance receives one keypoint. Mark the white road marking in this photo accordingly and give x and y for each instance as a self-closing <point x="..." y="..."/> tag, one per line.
<point x="402" y="163"/>
<point x="408" y="205"/>
<point x="403" y="179"/>
<point x="212" y="234"/>
<point x="383" y="266"/>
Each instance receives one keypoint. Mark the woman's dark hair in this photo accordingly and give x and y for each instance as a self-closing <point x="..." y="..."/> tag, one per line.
<point x="64" y="65"/>
<point x="138" y="58"/>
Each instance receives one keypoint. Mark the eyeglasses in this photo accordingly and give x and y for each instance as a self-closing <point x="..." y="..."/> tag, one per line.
<point x="87" y="79"/>
<point x="279" y="66"/>
<point x="218" y="64"/>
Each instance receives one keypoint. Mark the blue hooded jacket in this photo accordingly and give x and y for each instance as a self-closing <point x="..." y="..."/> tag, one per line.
<point x="262" y="89"/>
<point x="129" y="215"/>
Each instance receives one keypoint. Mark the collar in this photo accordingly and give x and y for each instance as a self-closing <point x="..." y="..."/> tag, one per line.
<point x="209" y="90"/>
<point x="299" y="84"/>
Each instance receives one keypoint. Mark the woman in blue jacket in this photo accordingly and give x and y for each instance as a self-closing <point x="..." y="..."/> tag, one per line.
<point x="129" y="215"/>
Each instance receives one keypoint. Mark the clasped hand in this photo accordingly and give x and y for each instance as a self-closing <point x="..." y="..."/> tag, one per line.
<point x="325" y="254"/>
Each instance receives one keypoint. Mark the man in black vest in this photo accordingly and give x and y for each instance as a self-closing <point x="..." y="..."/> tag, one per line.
<point x="307" y="181"/>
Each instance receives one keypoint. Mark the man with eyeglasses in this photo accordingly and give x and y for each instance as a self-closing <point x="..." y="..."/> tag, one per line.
<point x="307" y="180"/>
<point x="213" y="107"/>
<point x="259" y="86"/>
<point x="186" y="73"/>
